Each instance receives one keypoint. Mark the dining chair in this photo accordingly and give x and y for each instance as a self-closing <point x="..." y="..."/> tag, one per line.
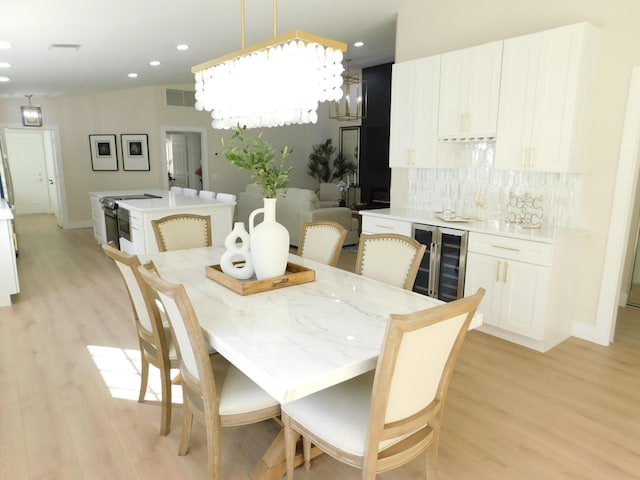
<point x="156" y="344"/>
<point x="390" y="258"/>
<point x="177" y="190"/>
<point x="190" y="192"/>
<point x="322" y="241"/>
<point x="215" y="392"/>
<point x="207" y="194"/>
<point x="183" y="230"/>
<point x="381" y="420"/>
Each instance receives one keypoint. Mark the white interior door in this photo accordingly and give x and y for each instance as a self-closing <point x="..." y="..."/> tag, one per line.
<point x="27" y="161"/>
<point x="177" y="158"/>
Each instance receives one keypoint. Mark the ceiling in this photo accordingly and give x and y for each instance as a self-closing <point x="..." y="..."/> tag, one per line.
<point x="118" y="37"/>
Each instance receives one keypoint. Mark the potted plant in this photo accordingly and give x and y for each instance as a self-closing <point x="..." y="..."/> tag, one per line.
<point x="258" y="156"/>
<point x="269" y="240"/>
<point x="320" y="165"/>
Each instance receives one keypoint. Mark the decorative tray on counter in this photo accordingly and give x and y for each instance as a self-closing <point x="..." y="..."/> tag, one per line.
<point x="454" y="218"/>
<point x="294" y="275"/>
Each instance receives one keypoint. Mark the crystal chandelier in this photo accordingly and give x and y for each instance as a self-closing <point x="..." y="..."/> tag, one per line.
<point x="273" y="83"/>
<point x="352" y="106"/>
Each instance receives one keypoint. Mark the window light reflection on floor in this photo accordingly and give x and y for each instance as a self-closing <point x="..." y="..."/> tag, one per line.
<point x="120" y="370"/>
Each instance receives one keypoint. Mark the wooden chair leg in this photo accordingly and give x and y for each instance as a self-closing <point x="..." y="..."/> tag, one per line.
<point x="432" y="461"/>
<point x="165" y="414"/>
<point x="213" y="449"/>
<point x="144" y="378"/>
<point x="306" y="449"/>
<point x="290" y="440"/>
<point x="187" y="422"/>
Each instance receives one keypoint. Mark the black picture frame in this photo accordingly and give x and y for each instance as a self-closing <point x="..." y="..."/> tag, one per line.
<point x="135" y="151"/>
<point x="104" y="153"/>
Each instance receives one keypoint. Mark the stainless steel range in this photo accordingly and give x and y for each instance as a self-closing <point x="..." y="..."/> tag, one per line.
<point x="117" y="219"/>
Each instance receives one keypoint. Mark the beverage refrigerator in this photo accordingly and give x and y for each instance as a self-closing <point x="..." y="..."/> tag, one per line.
<point x="441" y="273"/>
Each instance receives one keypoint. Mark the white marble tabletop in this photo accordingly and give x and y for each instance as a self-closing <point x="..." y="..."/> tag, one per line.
<point x="296" y="340"/>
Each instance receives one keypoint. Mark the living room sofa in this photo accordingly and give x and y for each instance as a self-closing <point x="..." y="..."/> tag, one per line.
<point x="296" y="206"/>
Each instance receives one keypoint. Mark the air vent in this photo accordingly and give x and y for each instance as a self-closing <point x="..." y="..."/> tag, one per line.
<point x="181" y="98"/>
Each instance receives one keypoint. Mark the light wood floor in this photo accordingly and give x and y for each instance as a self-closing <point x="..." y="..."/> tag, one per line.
<point x="572" y="413"/>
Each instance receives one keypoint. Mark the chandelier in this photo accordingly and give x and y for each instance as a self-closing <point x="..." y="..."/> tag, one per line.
<point x="352" y="106"/>
<point x="273" y="83"/>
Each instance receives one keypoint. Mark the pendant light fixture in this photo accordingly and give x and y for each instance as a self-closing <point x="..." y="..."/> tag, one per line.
<point x="276" y="82"/>
<point x="353" y="104"/>
<point x="31" y="116"/>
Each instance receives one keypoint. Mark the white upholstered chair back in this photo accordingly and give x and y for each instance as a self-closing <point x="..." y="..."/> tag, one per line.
<point x="403" y="402"/>
<point x="177" y="190"/>
<point x="322" y="241"/>
<point x="182" y="231"/>
<point x="190" y="192"/>
<point x="226" y="197"/>
<point x="390" y="258"/>
<point x="207" y="194"/>
<point x="181" y="336"/>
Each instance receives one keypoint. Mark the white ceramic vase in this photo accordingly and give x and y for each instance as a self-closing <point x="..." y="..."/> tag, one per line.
<point x="269" y="242"/>
<point x="237" y="251"/>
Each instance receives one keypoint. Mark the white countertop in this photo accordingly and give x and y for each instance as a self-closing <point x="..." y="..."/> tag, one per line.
<point x="493" y="227"/>
<point x="5" y="210"/>
<point x="169" y="200"/>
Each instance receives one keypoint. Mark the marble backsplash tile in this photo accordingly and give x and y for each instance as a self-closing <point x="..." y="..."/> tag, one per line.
<point x="480" y="191"/>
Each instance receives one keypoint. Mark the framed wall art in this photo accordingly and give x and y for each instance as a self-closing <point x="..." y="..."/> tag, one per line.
<point x="135" y="151"/>
<point x="104" y="155"/>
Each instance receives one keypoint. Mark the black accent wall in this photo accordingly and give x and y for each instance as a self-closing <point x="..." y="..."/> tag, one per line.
<point x="375" y="174"/>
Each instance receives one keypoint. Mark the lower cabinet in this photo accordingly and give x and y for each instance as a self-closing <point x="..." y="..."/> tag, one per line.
<point x="519" y="277"/>
<point x="516" y="295"/>
<point x="97" y="214"/>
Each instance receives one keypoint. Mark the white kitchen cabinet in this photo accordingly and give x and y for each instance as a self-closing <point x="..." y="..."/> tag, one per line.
<point x="519" y="277"/>
<point x="470" y="92"/>
<point x="414" y="113"/>
<point x="546" y="79"/>
<point x="143" y="239"/>
<point x="9" y="284"/>
<point x="374" y="224"/>
<point x="97" y="214"/>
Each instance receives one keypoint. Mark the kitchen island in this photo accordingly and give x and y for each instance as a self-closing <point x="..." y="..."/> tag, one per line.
<point x="142" y="211"/>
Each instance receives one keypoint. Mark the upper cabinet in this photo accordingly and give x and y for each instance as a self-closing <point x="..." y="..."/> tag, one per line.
<point x="414" y="113"/>
<point x="469" y="92"/>
<point x="546" y="79"/>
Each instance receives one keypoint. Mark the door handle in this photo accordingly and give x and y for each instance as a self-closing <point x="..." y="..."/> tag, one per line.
<point x="50" y="181"/>
<point x="506" y="272"/>
<point x="498" y="271"/>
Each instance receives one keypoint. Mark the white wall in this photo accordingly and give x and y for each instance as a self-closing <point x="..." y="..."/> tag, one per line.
<point x="143" y="110"/>
<point x="439" y="27"/>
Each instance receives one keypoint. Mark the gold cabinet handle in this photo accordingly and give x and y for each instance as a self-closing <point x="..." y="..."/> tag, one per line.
<point x="533" y="158"/>
<point x="498" y="271"/>
<point x="506" y="272"/>
<point x="524" y="157"/>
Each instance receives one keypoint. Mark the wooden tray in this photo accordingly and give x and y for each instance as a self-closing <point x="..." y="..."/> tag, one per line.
<point x="294" y="275"/>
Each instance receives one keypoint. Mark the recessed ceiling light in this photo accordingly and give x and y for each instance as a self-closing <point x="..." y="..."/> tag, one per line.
<point x="132" y="75"/>
<point x="4" y="79"/>
<point x="5" y="45"/>
<point x="154" y="63"/>
<point x="5" y="65"/>
<point x="358" y="44"/>
<point x="183" y="46"/>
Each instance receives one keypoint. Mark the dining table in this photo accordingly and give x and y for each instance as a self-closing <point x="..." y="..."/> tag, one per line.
<point x="296" y="340"/>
